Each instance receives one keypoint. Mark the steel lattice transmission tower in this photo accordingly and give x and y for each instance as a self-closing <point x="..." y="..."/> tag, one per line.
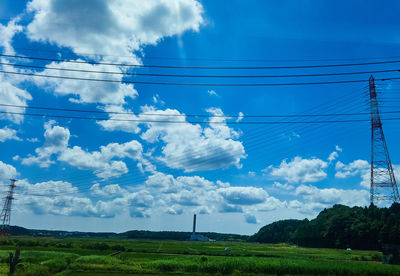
<point x="6" y="212"/>
<point x="383" y="182"/>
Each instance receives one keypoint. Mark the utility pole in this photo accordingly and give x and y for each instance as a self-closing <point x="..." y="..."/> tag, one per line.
<point x="383" y="183"/>
<point x="6" y="212"/>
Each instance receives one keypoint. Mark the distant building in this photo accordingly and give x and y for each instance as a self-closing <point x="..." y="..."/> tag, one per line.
<point x="197" y="237"/>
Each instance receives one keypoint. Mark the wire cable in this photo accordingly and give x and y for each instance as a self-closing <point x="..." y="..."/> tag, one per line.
<point x="191" y="122"/>
<point x="320" y="107"/>
<point x="261" y="136"/>
<point x="191" y="115"/>
<point x="196" y="84"/>
<point x="341" y="98"/>
<point x="203" y="58"/>
<point x="197" y="76"/>
<point x="204" y="67"/>
<point x="142" y="178"/>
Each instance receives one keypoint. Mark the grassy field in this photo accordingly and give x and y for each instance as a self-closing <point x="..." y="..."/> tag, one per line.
<point x="52" y="256"/>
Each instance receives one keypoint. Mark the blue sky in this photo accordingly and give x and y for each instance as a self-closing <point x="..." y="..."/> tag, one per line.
<point x="110" y="175"/>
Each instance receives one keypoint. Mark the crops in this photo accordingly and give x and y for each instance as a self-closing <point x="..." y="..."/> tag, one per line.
<point x="83" y="256"/>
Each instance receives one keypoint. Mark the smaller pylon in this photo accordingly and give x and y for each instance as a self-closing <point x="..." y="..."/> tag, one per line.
<point x="5" y="216"/>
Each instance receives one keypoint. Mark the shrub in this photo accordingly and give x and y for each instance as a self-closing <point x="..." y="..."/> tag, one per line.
<point x="167" y="266"/>
<point x="96" y="246"/>
<point x="97" y="259"/>
<point x="118" y="247"/>
<point x="27" y="243"/>
<point x="56" y="265"/>
<point x="64" y="245"/>
<point x="33" y="270"/>
<point x="376" y="257"/>
<point x="6" y="242"/>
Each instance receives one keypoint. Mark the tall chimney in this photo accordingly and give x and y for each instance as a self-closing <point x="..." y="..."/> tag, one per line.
<point x="194" y="224"/>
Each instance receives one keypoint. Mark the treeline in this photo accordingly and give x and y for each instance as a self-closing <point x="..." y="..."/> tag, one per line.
<point x="338" y="227"/>
<point x="21" y="231"/>
<point x="180" y="236"/>
<point x="134" y="234"/>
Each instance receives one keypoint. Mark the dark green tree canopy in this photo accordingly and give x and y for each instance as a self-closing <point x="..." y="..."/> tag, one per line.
<point x="338" y="227"/>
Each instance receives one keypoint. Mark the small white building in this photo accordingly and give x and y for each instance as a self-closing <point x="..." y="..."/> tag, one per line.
<point x="197" y="237"/>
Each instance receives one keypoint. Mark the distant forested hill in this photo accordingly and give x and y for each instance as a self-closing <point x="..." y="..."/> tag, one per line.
<point x="279" y="231"/>
<point x="134" y="234"/>
<point x="338" y="227"/>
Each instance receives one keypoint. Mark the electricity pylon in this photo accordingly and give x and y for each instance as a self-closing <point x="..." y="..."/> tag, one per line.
<point x="383" y="182"/>
<point x="5" y="216"/>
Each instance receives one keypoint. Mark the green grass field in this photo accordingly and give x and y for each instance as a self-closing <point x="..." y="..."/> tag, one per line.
<point x="52" y="256"/>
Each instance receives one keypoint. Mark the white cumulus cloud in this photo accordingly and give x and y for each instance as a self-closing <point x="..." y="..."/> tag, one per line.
<point x="243" y="195"/>
<point x="7" y="33"/>
<point x="114" y="28"/>
<point x="122" y="122"/>
<point x="240" y="117"/>
<point x="12" y="95"/>
<point x="63" y="199"/>
<point x="86" y="91"/>
<point x="299" y="170"/>
<point x="48" y="188"/>
<point x="356" y="167"/>
<point x="330" y="196"/>
<point x="111" y="190"/>
<point x="212" y="92"/>
<point x="252" y="219"/>
<point x="285" y="186"/>
<point x="192" y="147"/>
<point x="333" y="156"/>
<point x="6" y="172"/>
<point x="8" y="134"/>
<point x="56" y="141"/>
<point x="102" y="162"/>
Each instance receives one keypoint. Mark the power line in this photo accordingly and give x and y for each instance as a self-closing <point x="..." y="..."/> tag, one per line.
<point x="127" y="179"/>
<point x="265" y="60"/>
<point x="196" y="76"/>
<point x="135" y="179"/>
<point x="204" y="67"/>
<point x="196" y="84"/>
<point x="205" y="59"/>
<point x="123" y="181"/>
<point x="247" y="147"/>
<point x="189" y="122"/>
<point x="192" y="115"/>
<point x="253" y="145"/>
<point x="216" y="153"/>
<point x="141" y="178"/>
<point x="259" y="134"/>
